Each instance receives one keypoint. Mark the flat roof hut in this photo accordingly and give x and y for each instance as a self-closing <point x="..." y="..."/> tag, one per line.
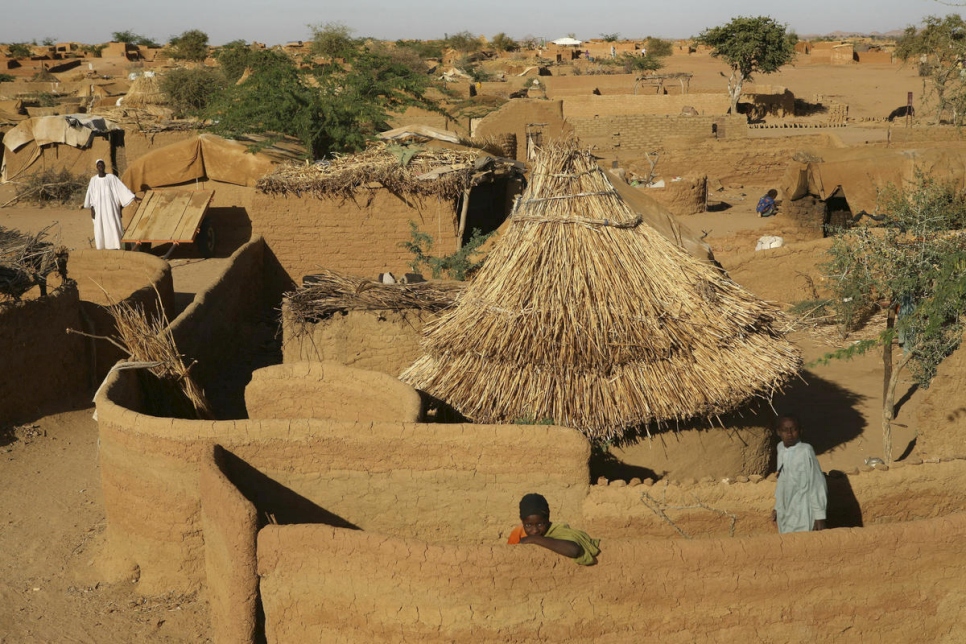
<point x="585" y="315"/>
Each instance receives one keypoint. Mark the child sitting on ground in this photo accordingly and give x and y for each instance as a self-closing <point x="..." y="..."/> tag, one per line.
<point x="766" y="205"/>
<point x="562" y="539"/>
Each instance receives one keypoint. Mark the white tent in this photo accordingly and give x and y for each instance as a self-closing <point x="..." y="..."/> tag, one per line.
<point x="567" y="42"/>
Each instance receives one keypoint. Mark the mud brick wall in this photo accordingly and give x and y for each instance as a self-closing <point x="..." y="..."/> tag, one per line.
<point x="328" y="584"/>
<point x="647" y="132"/>
<point x="330" y="391"/>
<point x="211" y="327"/>
<point x="898" y="133"/>
<point x="385" y="341"/>
<point x="458" y="483"/>
<point x="230" y="524"/>
<point x="360" y="236"/>
<point x="880" y="57"/>
<point x="42" y="368"/>
<point x="577" y="107"/>
<point x="418" y="116"/>
<point x="106" y="277"/>
<point x="514" y="117"/>
<point x="942" y="412"/>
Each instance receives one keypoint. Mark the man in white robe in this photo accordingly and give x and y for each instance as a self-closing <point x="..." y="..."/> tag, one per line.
<point x="801" y="495"/>
<point x="106" y="195"/>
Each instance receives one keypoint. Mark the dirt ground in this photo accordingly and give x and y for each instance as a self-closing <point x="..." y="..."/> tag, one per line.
<point x="53" y="513"/>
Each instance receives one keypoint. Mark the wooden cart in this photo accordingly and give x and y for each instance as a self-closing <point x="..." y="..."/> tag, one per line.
<point x="173" y="217"/>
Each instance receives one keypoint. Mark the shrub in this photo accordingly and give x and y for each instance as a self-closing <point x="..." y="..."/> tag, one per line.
<point x="190" y="45"/>
<point x="51" y="186"/>
<point x="190" y="91"/>
<point x="19" y="50"/>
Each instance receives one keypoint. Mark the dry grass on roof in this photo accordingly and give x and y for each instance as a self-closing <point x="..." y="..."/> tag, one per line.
<point x="332" y="292"/>
<point x="403" y="170"/>
<point x="145" y="90"/>
<point x="585" y="315"/>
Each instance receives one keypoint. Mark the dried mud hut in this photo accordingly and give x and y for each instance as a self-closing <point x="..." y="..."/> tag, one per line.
<point x="353" y="213"/>
<point x="586" y="316"/>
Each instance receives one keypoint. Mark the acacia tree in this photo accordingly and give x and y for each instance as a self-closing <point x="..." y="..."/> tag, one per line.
<point x="940" y="46"/>
<point x="916" y="267"/>
<point x="758" y="45"/>
<point x="333" y="107"/>
<point x="190" y="45"/>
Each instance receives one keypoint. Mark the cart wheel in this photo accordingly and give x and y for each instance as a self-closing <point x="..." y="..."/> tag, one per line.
<point x="205" y="241"/>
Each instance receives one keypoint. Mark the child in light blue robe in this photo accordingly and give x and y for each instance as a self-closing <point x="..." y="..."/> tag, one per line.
<point x="801" y="495"/>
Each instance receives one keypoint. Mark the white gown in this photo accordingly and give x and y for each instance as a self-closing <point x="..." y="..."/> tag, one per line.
<point x="801" y="496"/>
<point x="107" y="195"/>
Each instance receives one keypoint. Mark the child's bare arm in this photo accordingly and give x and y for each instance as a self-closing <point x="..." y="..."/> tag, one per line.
<point x="560" y="546"/>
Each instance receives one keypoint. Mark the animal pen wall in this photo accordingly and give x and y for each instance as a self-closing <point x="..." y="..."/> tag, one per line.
<point x="42" y="367"/>
<point x="391" y="530"/>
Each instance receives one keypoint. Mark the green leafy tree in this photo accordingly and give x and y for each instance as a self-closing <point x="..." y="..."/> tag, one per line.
<point x="234" y="57"/>
<point x="758" y="45"/>
<point x="133" y="38"/>
<point x="658" y="47"/>
<point x="502" y="42"/>
<point x="463" y="42"/>
<point x="614" y="37"/>
<point x="19" y="50"/>
<point x="333" y="40"/>
<point x="941" y="42"/>
<point x="423" y="48"/>
<point x="49" y="41"/>
<point x="458" y="266"/>
<point x="191" y="45"/>
<point x="916" y="267"/>
<point x="190" y="91"/>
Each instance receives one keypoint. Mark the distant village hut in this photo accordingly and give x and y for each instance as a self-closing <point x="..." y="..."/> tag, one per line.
<point x="586" y="316"/>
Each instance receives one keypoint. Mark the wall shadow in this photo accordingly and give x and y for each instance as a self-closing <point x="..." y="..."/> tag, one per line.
<point x="827" y="412"/>
<point x="843" y="509"/>
<point x="274" y="502"/>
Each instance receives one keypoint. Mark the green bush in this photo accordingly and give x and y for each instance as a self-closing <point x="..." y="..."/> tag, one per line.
<point x="19" y="50"/>
<point x="191" y="45"/>
<point x="458" y="266"/>
<point x="190" y="91"/>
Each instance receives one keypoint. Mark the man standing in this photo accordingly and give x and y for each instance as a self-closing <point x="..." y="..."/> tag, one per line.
<point x="106" y="195"/>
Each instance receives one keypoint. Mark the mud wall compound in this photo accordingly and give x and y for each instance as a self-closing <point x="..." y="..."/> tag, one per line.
<point x="327" y="584"/>
<point x="449" y="482"/>
<point x="361" y="236"/>
<point x="106" y="277"/>
<point x="385" y="341"/>
<point x="942" y="412"/>
<point x="329" y="390"/>
<point x="41" y="367"/>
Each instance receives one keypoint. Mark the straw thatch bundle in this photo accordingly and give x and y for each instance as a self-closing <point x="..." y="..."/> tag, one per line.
<point x="145" y="90"/>
<point x="26" y="261"/>
<point x="404" y="170"/>
<point x="150" y="345"/>
<point x="584" y="315"/>
<point x="332" y="292"/>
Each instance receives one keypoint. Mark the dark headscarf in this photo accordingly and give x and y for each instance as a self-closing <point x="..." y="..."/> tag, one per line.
<point x="534" y="504"/>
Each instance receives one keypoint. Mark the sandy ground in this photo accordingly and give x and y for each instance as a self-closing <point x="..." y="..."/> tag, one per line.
<point x="52" y="508"/>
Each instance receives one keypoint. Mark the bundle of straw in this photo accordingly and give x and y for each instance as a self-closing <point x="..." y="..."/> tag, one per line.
<point x="149" y="343"/>
<point x="145" y="90"/>
<point x="585" y="315"/>
<point x="332" y="292"/>
<point x="403" y="172"/>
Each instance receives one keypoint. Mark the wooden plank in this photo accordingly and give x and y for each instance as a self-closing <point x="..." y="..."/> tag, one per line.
<point x="169" y="216"/>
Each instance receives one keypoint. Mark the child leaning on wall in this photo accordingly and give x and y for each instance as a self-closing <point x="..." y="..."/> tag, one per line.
<point x="801" y="495"/>
<point x="537" y="529"/>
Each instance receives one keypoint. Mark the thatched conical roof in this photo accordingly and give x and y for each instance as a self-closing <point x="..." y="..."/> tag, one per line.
<point x="585" y="315"/>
